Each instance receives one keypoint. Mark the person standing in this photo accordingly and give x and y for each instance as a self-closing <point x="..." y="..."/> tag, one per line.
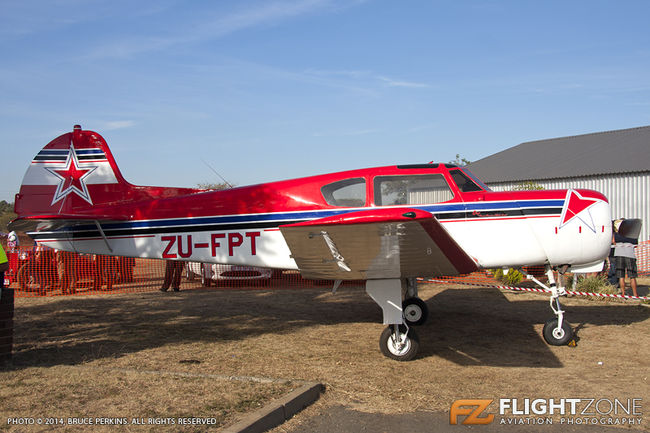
<point x="173" y="273"/>
<point x="66" y="262"/>
<point x="624" y="258"/>
<point x="125" y="267"/>
<point x="46" y="270"/>
<point x="12" y="242"/>
<point x="4" y="266"/>
<point x="13" y="254"/>
<point x="105" y="272"/>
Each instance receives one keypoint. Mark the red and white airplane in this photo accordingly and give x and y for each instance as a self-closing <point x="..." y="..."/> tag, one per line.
<point x="386" y="225"/>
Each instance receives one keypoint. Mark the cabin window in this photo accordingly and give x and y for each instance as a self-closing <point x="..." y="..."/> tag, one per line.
<point x="464" y="183"/>
<point x="415" y="189"/>
<point x="346" y="193"/>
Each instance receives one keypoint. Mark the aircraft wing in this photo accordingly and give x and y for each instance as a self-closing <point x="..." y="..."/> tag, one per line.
<point x="375" y="244"/>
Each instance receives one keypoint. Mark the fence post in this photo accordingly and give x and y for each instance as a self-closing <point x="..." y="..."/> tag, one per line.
<point x="6" y="324"/>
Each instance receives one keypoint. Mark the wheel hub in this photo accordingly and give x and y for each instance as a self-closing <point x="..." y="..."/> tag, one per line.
<point x="413" y="312"/>
<point x="399" y="348"/>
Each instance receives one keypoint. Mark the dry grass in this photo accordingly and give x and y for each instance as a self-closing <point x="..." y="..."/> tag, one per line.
<point x="87" y="356"/>
<point x="63" y="392"/>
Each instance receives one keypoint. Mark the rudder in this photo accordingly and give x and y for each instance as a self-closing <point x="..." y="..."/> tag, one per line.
<point x="71" y="173"/>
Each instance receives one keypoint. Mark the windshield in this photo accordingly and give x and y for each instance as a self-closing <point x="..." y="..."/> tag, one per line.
<point x="467" y="182"/>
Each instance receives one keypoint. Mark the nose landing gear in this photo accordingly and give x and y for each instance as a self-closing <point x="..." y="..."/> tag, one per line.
<point x="557" y="331"/>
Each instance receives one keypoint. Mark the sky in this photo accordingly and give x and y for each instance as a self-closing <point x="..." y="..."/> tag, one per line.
<point x="267" y="90"/>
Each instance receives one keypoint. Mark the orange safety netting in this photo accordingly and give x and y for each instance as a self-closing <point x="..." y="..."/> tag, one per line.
<point x="46" y="272"/>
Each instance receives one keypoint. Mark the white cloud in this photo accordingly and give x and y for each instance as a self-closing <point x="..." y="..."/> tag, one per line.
<point x="369" y="78"/>
<point x="213" y="27"/>
<point x="117" y="124"/>
<point x="26" y="17"/>
<point x="401" y="83"/>
<point x="351" y="73"/>
<point x="352" y="133"/>
<point x="423" y="127"/>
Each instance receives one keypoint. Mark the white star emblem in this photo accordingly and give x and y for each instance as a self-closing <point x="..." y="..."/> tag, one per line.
<point x="72" y="178"/>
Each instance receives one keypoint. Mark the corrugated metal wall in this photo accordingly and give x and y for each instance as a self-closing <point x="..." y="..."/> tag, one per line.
<point x="628" y="194"/>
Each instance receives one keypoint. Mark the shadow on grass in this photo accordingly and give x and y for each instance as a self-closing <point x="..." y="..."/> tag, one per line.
<point x="467" y="326"/>
<point x="479" y="326"/>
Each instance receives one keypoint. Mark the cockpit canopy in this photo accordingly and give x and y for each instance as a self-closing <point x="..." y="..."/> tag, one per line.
<point x="402" y="189"/>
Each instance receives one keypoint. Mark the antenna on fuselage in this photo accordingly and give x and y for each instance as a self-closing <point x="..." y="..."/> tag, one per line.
<point x="217" y="173"/>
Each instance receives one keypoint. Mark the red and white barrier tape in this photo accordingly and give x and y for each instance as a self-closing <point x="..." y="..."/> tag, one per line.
<point x="528" y="289"/>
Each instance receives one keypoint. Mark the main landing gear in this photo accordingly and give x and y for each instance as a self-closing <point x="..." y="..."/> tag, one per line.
<point x="398" y="341"/>
<point x="557" y="331"/>
<point x="414" y="309"/>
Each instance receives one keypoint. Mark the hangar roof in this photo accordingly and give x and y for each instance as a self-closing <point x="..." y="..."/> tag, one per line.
<point x="620" y="151"/>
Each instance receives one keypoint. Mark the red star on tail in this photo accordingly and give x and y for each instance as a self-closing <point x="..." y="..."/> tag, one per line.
<point x="574" y="205"/>
<point x="72" y="178"/>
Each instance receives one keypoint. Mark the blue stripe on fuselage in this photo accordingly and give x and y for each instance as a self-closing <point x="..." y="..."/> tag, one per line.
<point x="310" y="215"/>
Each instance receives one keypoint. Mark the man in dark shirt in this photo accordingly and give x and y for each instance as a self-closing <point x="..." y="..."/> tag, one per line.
<point x="625" y="258"/>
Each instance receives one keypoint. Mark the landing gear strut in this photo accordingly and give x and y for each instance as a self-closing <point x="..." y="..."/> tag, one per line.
<point x="398" y="341"/>
<point x="557" y="331"/>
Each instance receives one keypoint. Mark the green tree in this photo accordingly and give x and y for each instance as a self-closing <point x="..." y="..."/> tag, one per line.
<point x="215" y="186"/>
<point x="527" y="186"/>
<point x="6" y="214"/>
<point x="460" y="161"/>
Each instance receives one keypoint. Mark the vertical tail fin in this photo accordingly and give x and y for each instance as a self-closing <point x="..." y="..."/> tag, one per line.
<point x="71" y="173"/>
<point x="75" y="176"/>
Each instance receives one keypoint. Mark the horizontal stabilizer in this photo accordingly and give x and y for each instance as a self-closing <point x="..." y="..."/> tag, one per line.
<point x="38" y="223"/>
<point x="375" y="244"/>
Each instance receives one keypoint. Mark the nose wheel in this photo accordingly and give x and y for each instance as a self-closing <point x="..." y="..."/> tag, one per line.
<point x="557" y="335"/>
<point x="557" y="331"/>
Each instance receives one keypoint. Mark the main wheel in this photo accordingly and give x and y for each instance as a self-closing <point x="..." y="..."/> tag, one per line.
<point x="557" y="337"/>
<point x="403" y="350"/>
<point x="415" y="311"/>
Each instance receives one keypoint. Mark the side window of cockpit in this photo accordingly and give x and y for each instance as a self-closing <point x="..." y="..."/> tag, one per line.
<point x="464" y="183"/>
<point x="416" y="189"/>
<point x="346" y="193"/>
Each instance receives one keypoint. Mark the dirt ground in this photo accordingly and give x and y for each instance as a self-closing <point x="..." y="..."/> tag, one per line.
<point x="172" y="354"/>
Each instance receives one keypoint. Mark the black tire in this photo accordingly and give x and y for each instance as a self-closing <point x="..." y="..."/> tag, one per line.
<point x="556" y="337"/>
<point x="415" y="311"/>
<point x="411" y="344"/>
